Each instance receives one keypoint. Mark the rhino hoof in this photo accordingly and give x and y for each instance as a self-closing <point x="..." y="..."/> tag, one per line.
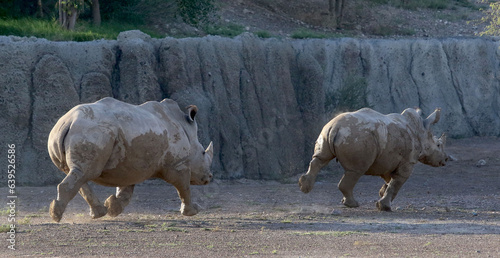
<point x="382" y="207"/>
<point x="190" y="210"/>
<point x="56" y="210"/>
<point x="351" y="203"/>
<point x="305" y="184"/>
<point x="99" y="211"/>
<point x="113" y="205"/>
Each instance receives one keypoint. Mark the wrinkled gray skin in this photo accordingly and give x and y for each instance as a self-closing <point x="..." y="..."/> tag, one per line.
<point x="366" y="142"/>
<point x="116" y="144"/>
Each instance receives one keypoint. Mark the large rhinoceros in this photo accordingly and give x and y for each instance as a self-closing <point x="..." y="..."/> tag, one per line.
<point x="116" y="144"/>
<point x="366" y="142"/>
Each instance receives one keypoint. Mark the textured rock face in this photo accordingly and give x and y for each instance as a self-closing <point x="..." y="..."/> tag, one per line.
<point x="262" y="102"/>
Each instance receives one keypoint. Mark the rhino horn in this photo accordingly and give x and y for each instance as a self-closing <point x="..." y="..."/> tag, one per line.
<point x="432" y="118"/>
<point x="210" y="150"/>
<point x="419" y="111"/>
<point x="443" y="138"/>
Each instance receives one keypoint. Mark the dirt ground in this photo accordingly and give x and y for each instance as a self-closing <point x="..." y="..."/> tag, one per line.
<point x="452" y="211"/>
<point x="362" y="18"/>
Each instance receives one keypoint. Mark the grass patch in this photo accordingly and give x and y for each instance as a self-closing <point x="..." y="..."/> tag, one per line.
<point x="228" y="30"/>
<point x="307" y="34"/>
<point x="5" y="211"/>
<point x="165" y="227"/>
<point x="329" y="233"/>
<point x="25" y="221"/>
<point x="49" y="29"/>
<point x="350" y="96"/>
<point x="263" y="34"/>
<point x="4" y="228"/>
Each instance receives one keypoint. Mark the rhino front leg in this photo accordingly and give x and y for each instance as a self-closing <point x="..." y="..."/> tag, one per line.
<point x="346" y="186"/>
<point x="392" y="189"/>
<point x="117" y="202"/>
<point x="181" y="181"/>
<point x="66" y="191"/>
<point x="307" y="180"/>
<point x="97" y="210"/>
<point x="188" y="208"/>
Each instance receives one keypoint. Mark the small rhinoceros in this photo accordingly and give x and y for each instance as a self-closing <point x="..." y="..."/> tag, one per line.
<point x="366" y="142"/>
<point x="116" y="144"/>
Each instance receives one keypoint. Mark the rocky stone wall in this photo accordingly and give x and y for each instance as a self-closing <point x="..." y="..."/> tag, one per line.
<point x="262" y="102"/>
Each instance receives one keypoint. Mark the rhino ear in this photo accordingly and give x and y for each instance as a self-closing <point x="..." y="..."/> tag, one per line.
<point x="432" y="118"/>
<point x="191" y="112"/>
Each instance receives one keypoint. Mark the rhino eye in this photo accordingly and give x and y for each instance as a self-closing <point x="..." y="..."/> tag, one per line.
<point x="203" y="152"/>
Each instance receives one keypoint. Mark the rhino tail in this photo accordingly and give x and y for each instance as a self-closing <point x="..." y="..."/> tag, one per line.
<point x="57" y="149"/>
<point x="332" y="135"/>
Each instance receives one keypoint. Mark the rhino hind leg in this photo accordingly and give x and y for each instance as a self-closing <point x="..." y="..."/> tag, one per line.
<point x="116" y="203"/>
<point x="66" y="191"/>
<point x="387" y="179"/>
<point x="346" y="186"/>
<point x="382" y="190"/>
<point x="307" y="180"/>
<point x="392" y="189"/>
<point x="97" y="210"/>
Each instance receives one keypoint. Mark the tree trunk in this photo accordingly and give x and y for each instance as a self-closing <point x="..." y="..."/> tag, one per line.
<point x="72" y="19"/>
<point x="339" y="12"/>
<point x="96" y="13"/>
<point x="331" y="11"/>
<point x="62" y="17"/>
<point x="336" y="11"/>
<point x="40" y="9"/>
<point x="68" y="14"/>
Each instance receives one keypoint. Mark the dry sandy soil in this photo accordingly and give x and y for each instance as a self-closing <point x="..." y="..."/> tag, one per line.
<point x="452" y="211"/>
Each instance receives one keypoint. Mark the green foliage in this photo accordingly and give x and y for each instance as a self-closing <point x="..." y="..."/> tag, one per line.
<point x="492" y="18"/>
<point x="69" y="5"/>
<point x="351" y="96"/>
<point x="306" y="34"/>
<point x="122" y="10"/>
<point x="195" y="12"/>
<point x="50" y="30"/>
<point x="465" y="3"/>
<point x="17" y="8"/>
<point x="4" y="228"/>
<point x="138" y="11"/>
<point x="229" y="30"/>
<point x="263" y="34"/>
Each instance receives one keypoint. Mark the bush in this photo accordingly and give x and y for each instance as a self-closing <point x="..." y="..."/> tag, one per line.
<point x="195" y="12"/>
<point x="263" y="34"/>
<point x="229" y="30"/>
<point x="351" y="96"/>
<point x="305" y="34"/>
<point x="492" y="18"/>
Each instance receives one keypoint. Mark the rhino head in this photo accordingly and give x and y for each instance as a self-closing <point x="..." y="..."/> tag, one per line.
<point x="433" y="153"/>
<point x="200" y="165"/>
<point x="201" y="159"/>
